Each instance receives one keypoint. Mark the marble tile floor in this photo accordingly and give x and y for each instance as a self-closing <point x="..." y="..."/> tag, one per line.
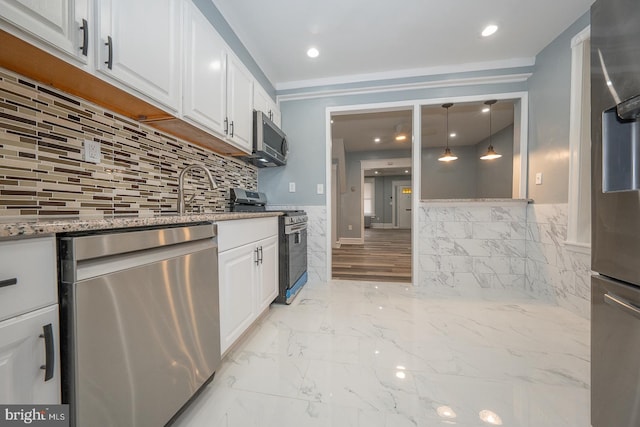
<point x="366" y="354"/>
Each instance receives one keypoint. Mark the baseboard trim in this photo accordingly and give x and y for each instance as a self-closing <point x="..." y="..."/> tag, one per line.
<point x="351" y="241"/>
<point x="381" y="225"/>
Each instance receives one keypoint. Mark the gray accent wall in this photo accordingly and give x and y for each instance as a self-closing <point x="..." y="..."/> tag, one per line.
<point x="304" y="122"/>
<point x="449" y="180"/>
<point x="549" y="105"/>
<point x="493" y="177"/>
<point x="469" y="177"/>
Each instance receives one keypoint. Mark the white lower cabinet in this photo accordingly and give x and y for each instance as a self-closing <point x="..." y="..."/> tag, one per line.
<point x="24" y="361"/>
<point x="29" y="326"/>
<point x="248" y="274"/>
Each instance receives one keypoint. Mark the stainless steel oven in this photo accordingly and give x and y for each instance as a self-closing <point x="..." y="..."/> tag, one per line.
<point x="292" y="230"/>
<point x="293" y="254"/>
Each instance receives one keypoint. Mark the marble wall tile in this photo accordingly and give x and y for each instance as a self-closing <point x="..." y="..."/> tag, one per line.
<point x="475" y="247"/>
<point x="553" y="271"/>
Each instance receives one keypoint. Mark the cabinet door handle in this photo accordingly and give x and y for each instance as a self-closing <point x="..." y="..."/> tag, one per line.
<point x="260" y="257"/>
<point x="256" y="259"/>
<point x="232" y="129"/>
<point x="226" y="125"/>
<point x="85" y="37"/>
<point x="8" y="282"/>
<point x="109" y="61"/>
<point x="50" y="356"/>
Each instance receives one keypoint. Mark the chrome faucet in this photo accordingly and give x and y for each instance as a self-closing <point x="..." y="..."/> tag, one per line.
<point x="182" y="204"/>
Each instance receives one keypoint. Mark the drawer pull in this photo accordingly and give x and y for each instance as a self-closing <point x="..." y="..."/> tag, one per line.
<point x="8" y="282"/>
<point x="49" y="352"/>
<point x="622" y="304"/>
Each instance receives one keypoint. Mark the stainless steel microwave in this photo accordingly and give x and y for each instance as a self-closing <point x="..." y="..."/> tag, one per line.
<point x="270" y="146"/>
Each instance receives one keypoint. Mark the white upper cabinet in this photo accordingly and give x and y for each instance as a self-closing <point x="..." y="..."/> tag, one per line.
<point x="263" y="102"/>
<point x="205" y="77"/>
<point x="218" y="89"/>
<point x="62" y="24"/>
<point x="140" y="46"/>
<point x="239" y="104"/>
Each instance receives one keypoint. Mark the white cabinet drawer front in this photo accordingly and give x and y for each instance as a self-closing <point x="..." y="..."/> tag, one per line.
<point x="22" y="353"/>
<point x="31" y="264"/>
<point x="234" y="233"/>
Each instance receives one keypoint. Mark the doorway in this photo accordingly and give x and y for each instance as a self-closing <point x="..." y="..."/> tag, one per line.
<point x="371" y="153"/>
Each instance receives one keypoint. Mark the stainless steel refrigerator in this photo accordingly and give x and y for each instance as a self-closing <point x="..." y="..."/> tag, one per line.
<point x="615" y="256"/>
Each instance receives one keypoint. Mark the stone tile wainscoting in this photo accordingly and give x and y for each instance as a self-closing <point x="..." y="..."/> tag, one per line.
<point x="468" y="246"/>
<point x="42" y="172"/>
<point x="554" y="271"/>
<point x="509" y="245"/>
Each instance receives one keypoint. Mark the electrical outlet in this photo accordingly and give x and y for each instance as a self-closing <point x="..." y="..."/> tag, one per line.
<point x="292" y="187"/>
<point x="539" y="178"/>
<point x="91" y="151"/>
<point x="350" y="227"/>
<point x="320" y="189"/>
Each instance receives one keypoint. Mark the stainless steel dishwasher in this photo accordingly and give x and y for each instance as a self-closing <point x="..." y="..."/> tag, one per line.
<point x="140" y="323"/>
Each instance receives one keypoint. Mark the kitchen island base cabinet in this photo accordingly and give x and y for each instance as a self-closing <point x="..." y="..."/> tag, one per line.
<point x="248" y="274"/>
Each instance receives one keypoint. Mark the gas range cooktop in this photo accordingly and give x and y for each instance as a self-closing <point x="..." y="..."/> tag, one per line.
<point x="243" y="200"/>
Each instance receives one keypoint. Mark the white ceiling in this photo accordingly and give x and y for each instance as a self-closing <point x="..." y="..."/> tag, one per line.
<point x="408" y="37"/>
<point x="466" y="120"/>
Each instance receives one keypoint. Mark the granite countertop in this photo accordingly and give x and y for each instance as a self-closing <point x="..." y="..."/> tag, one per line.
<point x="19" y="227"/>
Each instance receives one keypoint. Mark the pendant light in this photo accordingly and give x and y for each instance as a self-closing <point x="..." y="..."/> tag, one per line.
<point x="447" y="156"/>
<point x="491" y="153"/>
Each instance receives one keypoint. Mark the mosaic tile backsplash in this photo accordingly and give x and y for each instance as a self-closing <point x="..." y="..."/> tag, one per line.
<point x="42" y="172"/>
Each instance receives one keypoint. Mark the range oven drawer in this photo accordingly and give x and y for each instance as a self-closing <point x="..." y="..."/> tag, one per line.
<point x="615" y="353"/>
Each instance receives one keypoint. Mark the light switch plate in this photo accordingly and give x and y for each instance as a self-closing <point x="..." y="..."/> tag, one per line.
<point x="292" y="187"/>
<point x="539" y="178"/>
<point x="320" y="189"/>
<point x="91" y="151"/>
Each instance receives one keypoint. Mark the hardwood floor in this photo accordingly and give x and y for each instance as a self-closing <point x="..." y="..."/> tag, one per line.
<point x="384" y="257"/>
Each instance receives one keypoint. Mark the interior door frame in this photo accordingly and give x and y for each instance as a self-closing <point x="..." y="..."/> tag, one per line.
<point x="376" y="164"/>
<point x="520" y="155"/>
<point x="394" y="186"/>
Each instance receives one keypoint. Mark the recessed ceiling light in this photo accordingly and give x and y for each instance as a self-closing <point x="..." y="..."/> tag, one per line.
<point x="313" y="52"/>
<point x="376" y="172"/>
<point x="453" y="134"/>
<point x="489" y="30"/>
<point x="401" y="137"/>
<point x="446" y="412"/>
<point x="331" y="121"/>
<point x="486" y="110"/>
<point x="376" y="139"/>
<point x="490" y="417"/>
<point x="406" y="171"/>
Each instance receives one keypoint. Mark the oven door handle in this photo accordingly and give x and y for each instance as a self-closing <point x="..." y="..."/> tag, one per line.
<point x="623" y="304"/>
<point x="295" y="228"/>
